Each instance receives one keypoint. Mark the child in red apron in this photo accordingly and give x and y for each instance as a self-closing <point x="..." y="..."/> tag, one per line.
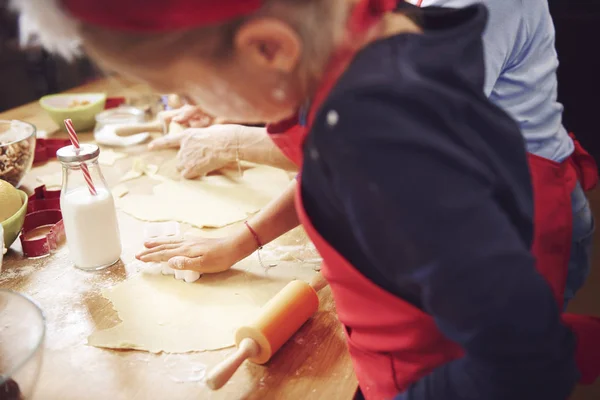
<point x="414" y="187"/>
<point x="517" y="83"/>
<point x="514" y="80"/>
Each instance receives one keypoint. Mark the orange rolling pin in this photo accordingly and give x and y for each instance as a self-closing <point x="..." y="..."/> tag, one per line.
<point x="279" y="319"/>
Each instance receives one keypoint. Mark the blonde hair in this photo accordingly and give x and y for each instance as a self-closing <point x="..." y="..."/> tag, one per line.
<point x="319" y="23"/>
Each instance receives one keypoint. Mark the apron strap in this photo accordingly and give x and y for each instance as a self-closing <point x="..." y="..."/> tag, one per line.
<point x="585" y="165"/>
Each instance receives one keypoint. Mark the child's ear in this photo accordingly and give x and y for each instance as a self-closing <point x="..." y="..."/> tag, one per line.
<point x="269" y="43"/>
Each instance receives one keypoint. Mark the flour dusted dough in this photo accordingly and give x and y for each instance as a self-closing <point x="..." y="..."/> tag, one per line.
<point x="119" y="191"/>
<point x="109" y="157"/>
<point x="161" y="314"/>
<point x="213" y="201"/>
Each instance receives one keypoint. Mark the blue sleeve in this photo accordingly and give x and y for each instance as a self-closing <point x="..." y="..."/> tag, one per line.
<point x="503" y="38"/>
<point x="425" y="212"/>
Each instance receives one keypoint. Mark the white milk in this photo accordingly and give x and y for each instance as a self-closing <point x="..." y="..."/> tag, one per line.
<point x="91" y="228"/>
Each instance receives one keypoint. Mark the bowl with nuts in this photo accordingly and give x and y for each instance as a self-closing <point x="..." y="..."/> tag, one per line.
<point x="17" y="149"/>
<point x="81" y="108"/>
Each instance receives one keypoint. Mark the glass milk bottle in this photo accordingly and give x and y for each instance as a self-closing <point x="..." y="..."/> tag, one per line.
<point x="90" y="219"/>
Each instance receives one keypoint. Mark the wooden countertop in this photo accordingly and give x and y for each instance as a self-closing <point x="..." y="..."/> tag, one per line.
<point x="314" y="364"/>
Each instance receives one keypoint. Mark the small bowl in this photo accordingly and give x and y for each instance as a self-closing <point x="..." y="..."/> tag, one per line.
<point x="17" y="150"/>
<point x="13" y="225"/>
<point x="22" y="335"/>
<point x="81" y="108"/>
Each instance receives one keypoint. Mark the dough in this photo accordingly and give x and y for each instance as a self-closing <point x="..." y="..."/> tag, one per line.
<point x="109" y="157"/>
<point x="161" y="314"/>
<point x="175" y="128"/>
<point x="213" y="201"/>
<point x="119" y="191"/>
<point x="138" y="168"/>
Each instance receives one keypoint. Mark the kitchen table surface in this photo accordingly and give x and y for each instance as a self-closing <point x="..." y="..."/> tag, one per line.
<point x="314" y="364"/>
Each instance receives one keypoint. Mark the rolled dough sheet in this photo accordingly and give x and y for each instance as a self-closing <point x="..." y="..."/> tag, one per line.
<point x="213" y="201"/>
<point x="119" y="191"/>
<point x="109" y="157"/>
<point x="161" y="314"/>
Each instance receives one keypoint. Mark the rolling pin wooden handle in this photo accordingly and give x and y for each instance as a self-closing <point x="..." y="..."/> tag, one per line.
<point x="219" y="376"/>
<point x="318" y="282"/>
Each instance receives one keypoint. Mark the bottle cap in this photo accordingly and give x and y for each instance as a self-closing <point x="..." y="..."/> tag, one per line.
<point x="70" y="154"/>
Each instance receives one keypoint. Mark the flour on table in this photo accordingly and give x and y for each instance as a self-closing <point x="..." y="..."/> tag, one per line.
<point x="108" y="157"/>
<point x="160" y="314"/>
<point x="51" y="180"/>
<point x="213" y="201"/>
<point x="139" y="168"/>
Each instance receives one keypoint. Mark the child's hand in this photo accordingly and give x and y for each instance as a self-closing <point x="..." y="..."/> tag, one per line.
<point x="205" y="150"/>
<point x="197" y="254"/>
<point x="170" y="141"/>
<point x="187" y="115"/>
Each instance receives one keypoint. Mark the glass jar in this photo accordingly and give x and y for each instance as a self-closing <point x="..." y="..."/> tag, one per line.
<point x="123" y="115"/>
<point x="90" y="219"/>
<point x="21" y="345"/>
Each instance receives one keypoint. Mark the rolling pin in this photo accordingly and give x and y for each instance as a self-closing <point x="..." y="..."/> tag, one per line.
<point x="132" y="129"/>
<point x="156" y="126"/>
<point x="279" y="319"/>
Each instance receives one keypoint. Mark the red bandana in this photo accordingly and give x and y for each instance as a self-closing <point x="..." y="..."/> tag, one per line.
<point x="156" y="16"/>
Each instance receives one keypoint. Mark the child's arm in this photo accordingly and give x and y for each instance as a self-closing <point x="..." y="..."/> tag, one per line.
<point x="217" y="255"/>
<point x="431" y="217"/>
<point x="203" y="150"/>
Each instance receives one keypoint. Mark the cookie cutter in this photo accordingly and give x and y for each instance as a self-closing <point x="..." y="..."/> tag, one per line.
<point x="45" y="149"/>
<point x="43" y="230"/>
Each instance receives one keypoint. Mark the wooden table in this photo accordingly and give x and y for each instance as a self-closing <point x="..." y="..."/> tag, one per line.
<point x="314" y="364"/>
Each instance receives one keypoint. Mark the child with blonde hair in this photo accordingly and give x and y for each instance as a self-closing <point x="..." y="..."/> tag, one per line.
<point x="414" y="188"/>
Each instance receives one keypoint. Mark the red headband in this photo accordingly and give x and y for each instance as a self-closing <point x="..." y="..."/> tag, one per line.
<point x="155" y="16"/>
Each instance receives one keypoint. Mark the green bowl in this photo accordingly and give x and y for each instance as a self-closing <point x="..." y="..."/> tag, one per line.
<point x="61" y="107"/>
<point x="13" y="225"/>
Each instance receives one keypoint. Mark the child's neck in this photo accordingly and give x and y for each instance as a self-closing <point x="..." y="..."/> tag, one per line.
<point x="390" y="25"/>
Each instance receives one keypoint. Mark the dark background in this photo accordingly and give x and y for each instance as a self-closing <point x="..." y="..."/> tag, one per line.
<point x="577" y="25"/>
<point x="28" y="74"/>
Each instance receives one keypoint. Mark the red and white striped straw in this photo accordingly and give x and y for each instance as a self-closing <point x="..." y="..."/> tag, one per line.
<point x="84" y="168"/>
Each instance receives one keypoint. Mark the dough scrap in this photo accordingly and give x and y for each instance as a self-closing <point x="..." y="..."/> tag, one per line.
<point x="108" y="157"/>
<point x="161" y="314"/>
<point x="139" y="168"/>
<point x="213" y="201"/>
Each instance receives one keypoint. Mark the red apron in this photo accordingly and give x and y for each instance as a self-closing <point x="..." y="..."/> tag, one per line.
<point x="553" y="184"/>
<point x="394" y="344"/>
<point x="286" y="135"/>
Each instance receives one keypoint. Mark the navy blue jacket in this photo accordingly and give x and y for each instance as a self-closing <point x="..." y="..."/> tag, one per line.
<point x="423" y="185"/>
